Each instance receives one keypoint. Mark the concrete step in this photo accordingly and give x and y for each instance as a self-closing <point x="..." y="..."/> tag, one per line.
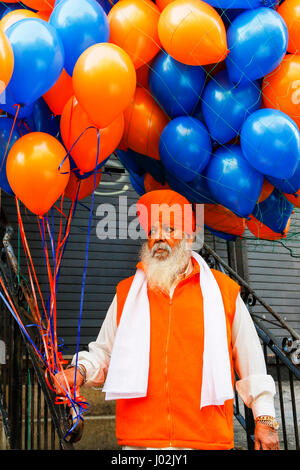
<point x="99" y="422"/>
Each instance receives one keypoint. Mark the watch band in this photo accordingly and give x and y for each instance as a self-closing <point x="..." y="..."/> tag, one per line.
<point x="268" y="421"/>
<point x="80" y="369"/>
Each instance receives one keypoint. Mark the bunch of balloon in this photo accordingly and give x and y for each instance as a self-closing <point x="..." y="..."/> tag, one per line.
<point x="222" y="222"/>
<point x="224" y="143"/>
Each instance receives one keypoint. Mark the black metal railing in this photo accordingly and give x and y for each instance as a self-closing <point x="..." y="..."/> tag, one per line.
<point x="30" y="417"/>
<point x="284" y="371"/>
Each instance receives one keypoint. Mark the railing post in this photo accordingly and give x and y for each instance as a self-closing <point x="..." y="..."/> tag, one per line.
<point x="250" y="428"/>
<point x="16" y="390"/>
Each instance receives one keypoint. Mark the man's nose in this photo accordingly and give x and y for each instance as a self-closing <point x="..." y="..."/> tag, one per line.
<point x="161" y="235"/>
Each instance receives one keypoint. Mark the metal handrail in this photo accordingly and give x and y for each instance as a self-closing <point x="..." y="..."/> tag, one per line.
<point x="275" y="355"/>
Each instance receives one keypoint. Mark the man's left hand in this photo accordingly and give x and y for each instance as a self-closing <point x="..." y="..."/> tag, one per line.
<point x="266" y="438"/>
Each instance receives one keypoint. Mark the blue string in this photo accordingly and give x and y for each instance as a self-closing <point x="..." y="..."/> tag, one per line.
<point x="86" y="257"/>
<point x="79" y="404"/>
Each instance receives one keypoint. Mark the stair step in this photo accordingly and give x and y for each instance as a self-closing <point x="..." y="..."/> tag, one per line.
<point x="98" y="434"/>
<point x="98" y="406"/>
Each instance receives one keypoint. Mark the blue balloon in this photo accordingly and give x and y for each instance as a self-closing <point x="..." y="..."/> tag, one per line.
<point x="274" y="212"/>
<point x="229" y="15"/>
<point x="137" y="182"/>
<point x="107" y="4"/>
<point x="130" y="161"/>
<point x="9" y="105"/>
<point x="154" y="167"/>
<point x="225" y="236"/>
<point x="6" y="125"/>
<point x="185" y="147"/>
<point x="39" y="59"/>
<point x="196" y="191"/>
<point x="176" y="86"/>
<point x="233" y="182"/>
<point x="257" y="40"/>
<point x="141" y="164"/>
<point x="245" y="4"/>
<point x="288" y="186"/>
<point x="79" y="24"/>
<point x="225" y="107"/>
<point x="42" y="119"/>
<point x="270" y="141"/>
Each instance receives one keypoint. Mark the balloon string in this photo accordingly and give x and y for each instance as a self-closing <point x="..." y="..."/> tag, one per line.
<point x="86" y="260"/>
<point x="26" y="249"/>
<point x="52" y="340"/>
<point x="32" y="273"/>
<point x="69" y="152"/>
<point x="22" y="121"/>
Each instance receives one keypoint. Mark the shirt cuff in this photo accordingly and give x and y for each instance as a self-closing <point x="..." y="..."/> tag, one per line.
<point x="257" y="392"/>
<point x="263" y="405"/>
<point x="94" y="376"/>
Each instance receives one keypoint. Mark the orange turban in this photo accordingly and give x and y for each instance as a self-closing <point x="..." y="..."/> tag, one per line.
<point x="166" y="206"/>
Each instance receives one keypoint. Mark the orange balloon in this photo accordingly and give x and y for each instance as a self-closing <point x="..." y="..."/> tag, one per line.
<point x="80" y="136"/>
<point x="281" y="88"/>
<point x="163" y="3"/>
<point x="40" y="4"/>
<point x="219" y="218"/>
<point x="6" y="61"/>
<point x="192" y="32"/>
<point x="81" y="188"/>
<point x="150" y="184"/>
<point x="294" y="198"/>
<point x="104" y="82"/>
<point x="133" y="27"/>
<point x="38" y="171"/>
<point x="267" y="189"/>
<point x="14" y="16"/>
<point x="144" y="123"/>
<point x="290" y="12"/>
<point x="261" y="231"/>
<point x="57" y="97"/>
<point x="142" y="76"/>
<point x="44" y="14"/>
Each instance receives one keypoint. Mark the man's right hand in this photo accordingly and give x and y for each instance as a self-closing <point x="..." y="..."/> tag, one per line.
<point x="65" y="380"/>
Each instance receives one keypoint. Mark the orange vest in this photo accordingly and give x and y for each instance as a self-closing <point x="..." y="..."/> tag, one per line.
<point x="170" y="415"/>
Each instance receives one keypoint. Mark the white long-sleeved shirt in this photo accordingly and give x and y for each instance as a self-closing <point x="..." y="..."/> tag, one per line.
<point x="255" y="387"/>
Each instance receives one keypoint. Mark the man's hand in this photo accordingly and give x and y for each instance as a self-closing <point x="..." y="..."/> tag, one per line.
<point x="65" y="379"/>
<point x="266" y="438"/>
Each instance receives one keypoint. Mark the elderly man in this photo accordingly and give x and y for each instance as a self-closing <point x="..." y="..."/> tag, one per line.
<point x="172" y="338"/>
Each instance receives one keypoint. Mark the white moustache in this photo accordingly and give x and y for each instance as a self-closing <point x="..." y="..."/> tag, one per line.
<point x="160" y="246"/>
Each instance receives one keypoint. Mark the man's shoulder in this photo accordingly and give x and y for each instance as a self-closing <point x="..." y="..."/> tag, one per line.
<point x="224" y="281"/>
<point x="125" y="283"/>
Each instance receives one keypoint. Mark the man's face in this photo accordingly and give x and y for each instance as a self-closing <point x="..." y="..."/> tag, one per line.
<point x="162" y="239"/>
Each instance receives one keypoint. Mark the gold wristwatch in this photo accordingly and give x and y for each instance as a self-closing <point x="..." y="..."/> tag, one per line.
<point x="268" y="421"/>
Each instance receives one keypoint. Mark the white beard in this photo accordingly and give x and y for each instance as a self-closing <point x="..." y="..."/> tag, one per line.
<point x="161" y="272"/>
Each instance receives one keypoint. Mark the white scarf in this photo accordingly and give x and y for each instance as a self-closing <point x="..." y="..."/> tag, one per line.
<point x="129" y="365"/>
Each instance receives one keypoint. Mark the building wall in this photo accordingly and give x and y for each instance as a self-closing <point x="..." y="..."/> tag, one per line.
<point x="273" y="272"/>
